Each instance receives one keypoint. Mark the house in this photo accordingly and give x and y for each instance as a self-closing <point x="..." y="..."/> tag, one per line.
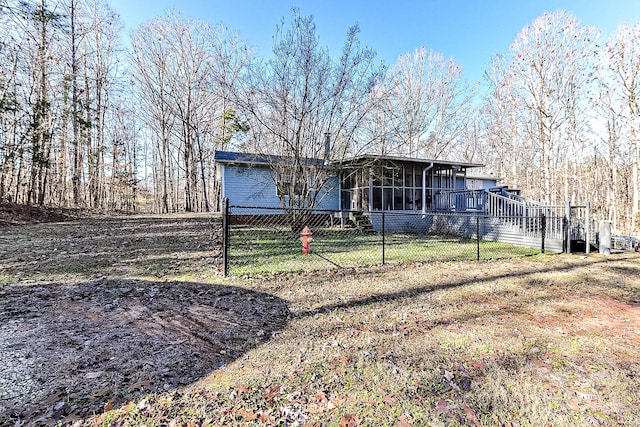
<point x="410" y="192"/>
<point x="365" y="183"/>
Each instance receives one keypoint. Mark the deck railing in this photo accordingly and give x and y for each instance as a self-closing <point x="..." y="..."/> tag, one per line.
<point x="460" y="200"/>
<point x="511" y="209"/>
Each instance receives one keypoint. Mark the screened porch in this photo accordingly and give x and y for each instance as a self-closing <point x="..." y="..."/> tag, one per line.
<point x="399" y="185"/>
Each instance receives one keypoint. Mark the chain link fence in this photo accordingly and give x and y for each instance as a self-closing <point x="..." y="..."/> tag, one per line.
<point x="260" y="240"/>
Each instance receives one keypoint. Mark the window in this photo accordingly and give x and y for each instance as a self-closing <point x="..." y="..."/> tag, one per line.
<point x="474" y="184"/>
<point x="377" y="199"/>
<point x="284" y="185"/>
<point x="408" y="176"/>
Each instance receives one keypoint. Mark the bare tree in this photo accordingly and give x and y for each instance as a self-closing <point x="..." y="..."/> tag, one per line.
<point x="102" y="63"/>
<point x="305" y="109"/>
<point x="426" y="104"/>
<point x="506" y="152"/>
<point x="124" y="181"/>
<point x="150" y="58"/>
<point x="609" y="153"/>
<point x="60" y="85"/>
<point x="10" y="106"/>
<point x="34" y="35"/>
<point x="43" y="21"/>
<point x="185" y="72"/>
<point x="623" y="51"/>
<point x="541" y="101"/>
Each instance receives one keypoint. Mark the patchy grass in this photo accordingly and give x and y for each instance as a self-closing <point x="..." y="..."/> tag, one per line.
<point x="545" y="341"/>
<point x="531" y="341"/>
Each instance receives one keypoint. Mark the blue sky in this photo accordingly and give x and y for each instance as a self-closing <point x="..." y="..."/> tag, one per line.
<point x="470" y="31"/>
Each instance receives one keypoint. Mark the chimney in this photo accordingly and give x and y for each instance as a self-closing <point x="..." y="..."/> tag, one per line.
<point x="327" y="146"/>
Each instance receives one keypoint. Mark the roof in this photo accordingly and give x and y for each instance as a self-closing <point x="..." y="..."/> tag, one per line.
<point x="373" y="157"/>
<point x="244" y="158"/>
<point x="485" y="176"/>
<point x="232" y="157"/>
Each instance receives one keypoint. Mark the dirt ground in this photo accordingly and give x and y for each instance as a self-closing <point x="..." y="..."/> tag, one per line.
<point x="97" y="311"/>
<point x="101" y="311"/>
<point x="13" y="214"/>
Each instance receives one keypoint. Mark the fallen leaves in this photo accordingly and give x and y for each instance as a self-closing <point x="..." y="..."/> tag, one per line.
<point x="339" y="365"/>
<point x="246" y="415"/>
<point x="390" y="400"/>
<point x="93" y="375"/>
<point x="350" y="420"/>
<point x="404" y="421"/>
<point x="243" y="389"/>
<point x="108" y="406"/>
<point x="273" y="391"/>
<point x="471" y="415"/>
<point x="375" y="363"/>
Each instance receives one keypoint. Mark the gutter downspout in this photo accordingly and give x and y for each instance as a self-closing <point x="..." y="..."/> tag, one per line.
<point x="223" y="187"/>
<point x="340" y="191"/>
<point x="371" y="190"/>
<point x="424" y="187"/>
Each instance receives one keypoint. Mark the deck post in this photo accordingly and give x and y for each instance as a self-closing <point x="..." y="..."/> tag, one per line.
<point x="424" y="191"/>
<point x="605" y="237"/>
<point x="371" y="190"/>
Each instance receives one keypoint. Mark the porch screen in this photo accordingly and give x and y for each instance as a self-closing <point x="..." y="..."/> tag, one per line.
<point x="397" y="187"/>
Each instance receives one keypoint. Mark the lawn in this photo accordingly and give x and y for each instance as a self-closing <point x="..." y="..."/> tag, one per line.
<point x="153" y="336"/>
<point x="550" y="340"/>
<point x="259" y="250"/>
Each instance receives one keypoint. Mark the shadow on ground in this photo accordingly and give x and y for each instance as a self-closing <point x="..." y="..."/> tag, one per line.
<point x="72" y="350"/>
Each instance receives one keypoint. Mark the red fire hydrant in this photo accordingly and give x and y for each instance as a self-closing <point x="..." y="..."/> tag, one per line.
<point x="305" y="238"/>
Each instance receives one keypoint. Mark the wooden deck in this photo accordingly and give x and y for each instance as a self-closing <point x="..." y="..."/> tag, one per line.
<point x="517" y="217"/>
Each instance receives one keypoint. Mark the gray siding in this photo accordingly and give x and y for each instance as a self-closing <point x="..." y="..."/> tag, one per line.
<point x="329" y="198"/>
<point x="493" y="229"/>
<point x="247" y="186"/>
<point x="255" y="186"/>
<point x="401" y="222"/>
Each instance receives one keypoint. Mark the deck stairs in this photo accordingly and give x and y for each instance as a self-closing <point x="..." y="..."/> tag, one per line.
<point x="516" y="219"/>
<point x="361" y="221"/>
<point x="522" y="214"/>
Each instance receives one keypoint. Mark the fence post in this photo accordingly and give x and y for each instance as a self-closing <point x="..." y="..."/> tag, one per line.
<point x="225" y="236"/>
<point x="477" y="238"/>
<point x="543" y="230"/>
<point x="567" y="235"/>
<point x="587" y="228"/>
<point x="383" y="238"/>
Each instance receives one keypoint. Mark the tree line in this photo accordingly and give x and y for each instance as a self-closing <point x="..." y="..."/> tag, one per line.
<point x="90" y="120"/>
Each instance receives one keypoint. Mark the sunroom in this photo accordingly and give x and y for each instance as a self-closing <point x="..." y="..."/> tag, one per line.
<point x="382" y="183"/>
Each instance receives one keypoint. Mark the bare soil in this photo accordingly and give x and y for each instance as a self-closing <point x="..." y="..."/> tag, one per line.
<point x="98" y="311"/>
<point x="13" y="214"/>
<point x="126" y="321"/>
